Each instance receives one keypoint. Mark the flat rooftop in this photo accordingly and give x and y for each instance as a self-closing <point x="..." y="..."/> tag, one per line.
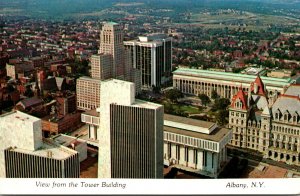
<point x="145" y="104"/>
<point x="216" y="135"/>
<point x="67" y="140"/>
<point x="18" y="117"/>
<point x="233" y="77"/>
<point x="188" y="121"/>
<point x="89" y="79"/>
<point x="92" y="113"/>
<point x="58" y="152"/>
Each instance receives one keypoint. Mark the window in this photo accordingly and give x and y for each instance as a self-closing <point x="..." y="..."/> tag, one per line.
<point x="242" y="115"/>
<point x="195" y="156"/>
<point x="178" y="152"/>
<point x="186" y="157"/>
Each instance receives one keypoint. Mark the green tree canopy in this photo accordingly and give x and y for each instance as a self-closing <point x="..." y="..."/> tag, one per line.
<point x="220" y="104"/>
<point x="204" y="99"/>
<point x="221" y="117"/>
<point x="174" y="95"/>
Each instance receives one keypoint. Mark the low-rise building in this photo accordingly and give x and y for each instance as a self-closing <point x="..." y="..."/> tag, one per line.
<point x="194" y="145"/>
<point x="74" y="143"/>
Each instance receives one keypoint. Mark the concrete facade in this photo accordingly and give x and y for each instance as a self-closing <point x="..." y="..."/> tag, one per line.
<point x="22" y="134"/>
<point x="202" y="150"/>
<point x="118" y="100"/>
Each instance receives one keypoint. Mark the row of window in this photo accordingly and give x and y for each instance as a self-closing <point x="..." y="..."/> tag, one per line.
<point x="190" y="141"/>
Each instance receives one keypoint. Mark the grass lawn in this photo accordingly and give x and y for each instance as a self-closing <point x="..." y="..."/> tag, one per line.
<point x="187" y="109"/>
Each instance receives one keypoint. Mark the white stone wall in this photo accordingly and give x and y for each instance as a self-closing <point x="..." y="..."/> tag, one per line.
<point x="18" y="132"/>
<point x="112" y="91"/>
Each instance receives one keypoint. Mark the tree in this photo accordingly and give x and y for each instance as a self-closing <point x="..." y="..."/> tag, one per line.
<point x="204" y="99"/>
<point x="174" y="95"/>
<point x="220" y="104"/>
<point x="156" y="89"/>
<point x="214" y="94"/>
<point x="221" y="117"/>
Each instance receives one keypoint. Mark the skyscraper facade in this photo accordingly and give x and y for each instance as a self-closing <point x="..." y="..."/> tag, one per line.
<point x="111" y="42"/>
<point x="112" y="61"/>
<point x="131" y="136"/>
<point x="101" y="66"/>
<point x="152" y="55"/>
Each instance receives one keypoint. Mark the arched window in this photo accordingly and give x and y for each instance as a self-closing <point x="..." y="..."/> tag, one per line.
<point x="294" y="118"/>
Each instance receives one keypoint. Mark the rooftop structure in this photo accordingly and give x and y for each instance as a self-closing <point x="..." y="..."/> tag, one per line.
<point x="234" y="77"/>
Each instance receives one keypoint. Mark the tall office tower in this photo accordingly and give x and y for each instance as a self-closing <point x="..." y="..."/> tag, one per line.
<point x="131" y="136"/>
<point x="152" y="55"/>
<point x="88" y="93"/>
<point x="101" y="65"/>
<point x="111" y="42"/>
<point x="24" y="154"/>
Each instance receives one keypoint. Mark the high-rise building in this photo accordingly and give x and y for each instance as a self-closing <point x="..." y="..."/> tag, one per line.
<point x="88" y="93"/>
<point x="24" y="154"/>
<point x="152" y="55"/>
<point x="101" y="65"/>
<point x="131" y="136"/>
<point x="113" y="61"/>
<point x="111" y="42"/>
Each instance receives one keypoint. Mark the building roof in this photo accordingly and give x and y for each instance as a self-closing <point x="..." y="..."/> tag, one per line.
<point x="60" y="82"/>
<point x="146" y="104"/>
<point x="89" y="79"/>
<point x="258" y="83"/>
<point x="287" y="103"/>
<point x="267" y="111"/>
<point x="19" y="116"/>
<point x="92" y="113"/>
<point x="30" y="102"/>
<point x="49" y="149"/>
<point x="241" y="96"/>
<point x="67" y="140"/>
<point x="188" y="121"/>
<point x="260" y="101"/>
<point x="233" y="77"/>
<point x="294" y="90"/>
<point x="216" y="135"/>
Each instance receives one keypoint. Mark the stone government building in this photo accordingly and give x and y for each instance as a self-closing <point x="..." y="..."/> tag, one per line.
<point x="196" y="81"/>
<point x="272" y="130"/>
<point x="264" y="114"/>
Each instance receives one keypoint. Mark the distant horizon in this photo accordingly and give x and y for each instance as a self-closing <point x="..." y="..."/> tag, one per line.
<point x="91" y="9"/>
